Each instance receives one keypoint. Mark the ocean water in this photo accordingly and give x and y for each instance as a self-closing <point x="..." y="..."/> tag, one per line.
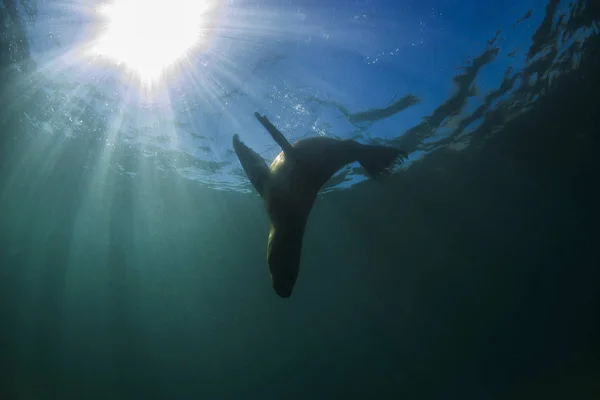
<point x="133" y="247"/>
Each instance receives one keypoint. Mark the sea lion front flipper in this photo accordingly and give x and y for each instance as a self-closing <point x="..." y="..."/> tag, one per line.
<point x="253" y="164"/>
<point x="287" y="148"/>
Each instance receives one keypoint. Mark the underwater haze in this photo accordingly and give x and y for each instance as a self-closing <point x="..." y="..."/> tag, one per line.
<point x="133" y="245"/>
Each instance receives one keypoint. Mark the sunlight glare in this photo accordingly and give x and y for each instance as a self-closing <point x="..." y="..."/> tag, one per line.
<point x="148" y="36"/>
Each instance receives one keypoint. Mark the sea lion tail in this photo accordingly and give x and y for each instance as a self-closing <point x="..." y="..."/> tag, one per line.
<point x="377" y="160"/>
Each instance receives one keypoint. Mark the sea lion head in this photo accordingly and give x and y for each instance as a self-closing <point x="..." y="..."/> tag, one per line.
<point x="285" y="244"/>
<point x="283" y="258"/>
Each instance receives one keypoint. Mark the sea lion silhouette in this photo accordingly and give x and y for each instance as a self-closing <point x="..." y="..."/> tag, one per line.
<point x="289" y="188"/>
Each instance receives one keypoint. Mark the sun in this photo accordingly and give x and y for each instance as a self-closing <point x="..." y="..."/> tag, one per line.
<point x="149" y="36"/>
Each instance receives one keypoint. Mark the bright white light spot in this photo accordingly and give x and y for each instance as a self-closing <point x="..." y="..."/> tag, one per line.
<point x="150" y="35"/>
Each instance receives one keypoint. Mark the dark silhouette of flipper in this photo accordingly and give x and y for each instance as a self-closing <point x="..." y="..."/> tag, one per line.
<point x="253" y="164"/>
<point x="287" y="148"/>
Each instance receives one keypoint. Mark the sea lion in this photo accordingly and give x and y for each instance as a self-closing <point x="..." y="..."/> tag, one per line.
<point x="290" y="186"/>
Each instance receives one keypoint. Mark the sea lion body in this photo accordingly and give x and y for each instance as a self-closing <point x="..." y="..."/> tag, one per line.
<point x="315" y="161"/>
<point x="290" y="185"/>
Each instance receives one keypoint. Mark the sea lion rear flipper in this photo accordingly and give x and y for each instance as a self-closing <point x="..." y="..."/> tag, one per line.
<point x="254" y="165"/>
<point x="376" y="159"/>
<point x="287" y="148"/>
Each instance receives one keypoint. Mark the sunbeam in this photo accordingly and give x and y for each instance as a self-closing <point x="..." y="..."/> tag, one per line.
<point x="150" y="36"/>
<point x="171" y="81"/>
